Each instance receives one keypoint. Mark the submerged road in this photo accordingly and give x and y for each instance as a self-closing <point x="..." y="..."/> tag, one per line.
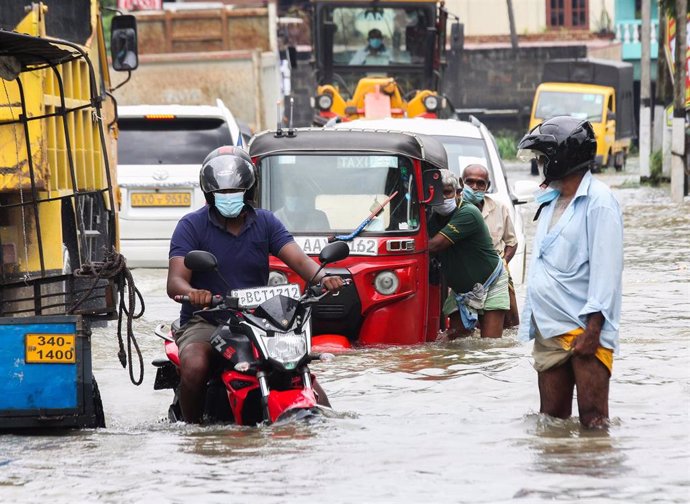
<point x="438" y="423"/>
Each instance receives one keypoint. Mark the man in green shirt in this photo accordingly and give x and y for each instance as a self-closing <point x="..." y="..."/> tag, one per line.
<point x="470" y="265"/>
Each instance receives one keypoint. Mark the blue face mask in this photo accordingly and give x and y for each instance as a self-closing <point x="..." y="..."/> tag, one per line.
<point x="229" y="205"/>
<point x="546" y="195"/>
<point x="471" y="196"/>
<point x="375" y="43"/>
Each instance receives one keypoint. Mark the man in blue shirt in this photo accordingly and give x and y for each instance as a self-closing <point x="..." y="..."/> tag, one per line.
<point x="573" y="303"/>
<point x="241" y="238"/>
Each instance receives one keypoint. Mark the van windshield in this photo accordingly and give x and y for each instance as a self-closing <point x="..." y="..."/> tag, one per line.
<point x="169" y="141"/>
<point x="337" y="192"/>
<point x="464" y="151"/>
<point x="589" y="106"/>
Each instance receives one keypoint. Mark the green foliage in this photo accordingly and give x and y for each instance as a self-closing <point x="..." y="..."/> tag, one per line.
<point x="656" y="161"/>
<point x="507" y="141"/>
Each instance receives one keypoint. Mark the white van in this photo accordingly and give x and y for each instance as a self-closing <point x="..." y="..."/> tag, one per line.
<point x="160" y="150"/>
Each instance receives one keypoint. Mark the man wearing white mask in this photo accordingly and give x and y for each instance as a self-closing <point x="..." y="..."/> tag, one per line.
<point x="470" y="264"/>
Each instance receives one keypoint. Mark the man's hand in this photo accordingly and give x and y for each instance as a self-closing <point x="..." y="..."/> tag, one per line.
<point x="200" y="297"/>
<point x="588" y="342"/>
<point x="332" y="283"/>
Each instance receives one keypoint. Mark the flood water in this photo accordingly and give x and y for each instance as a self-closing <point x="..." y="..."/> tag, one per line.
<point x="446" y="423"/>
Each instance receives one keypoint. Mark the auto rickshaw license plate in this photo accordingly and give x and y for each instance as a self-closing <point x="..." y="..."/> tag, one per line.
<point x="166" y="199"/>
<point x="50" y="349"/>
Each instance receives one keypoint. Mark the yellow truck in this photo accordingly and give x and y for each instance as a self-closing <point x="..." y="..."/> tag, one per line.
<point x="379" y="58"/>
<point x="600" y="91"/>
<point x="58" y="205"/>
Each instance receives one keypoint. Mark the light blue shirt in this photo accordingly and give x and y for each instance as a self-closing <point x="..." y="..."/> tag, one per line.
<point x="577" y="266"/>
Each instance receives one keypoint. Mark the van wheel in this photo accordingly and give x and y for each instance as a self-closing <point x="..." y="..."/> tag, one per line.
<point x="533" y="167"/>
<point x="619" y="161"/>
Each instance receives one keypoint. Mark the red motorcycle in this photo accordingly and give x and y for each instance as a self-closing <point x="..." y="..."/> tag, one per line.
<point x="263" y="350"/>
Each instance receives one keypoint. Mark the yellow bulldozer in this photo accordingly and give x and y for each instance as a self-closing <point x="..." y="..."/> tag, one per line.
<point x="381" y="58"/>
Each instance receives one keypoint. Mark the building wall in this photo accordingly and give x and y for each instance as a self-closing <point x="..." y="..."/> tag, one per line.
<point x="490" y="17"/>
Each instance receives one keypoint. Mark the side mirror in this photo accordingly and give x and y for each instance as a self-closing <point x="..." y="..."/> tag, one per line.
<point x="433" y="187"/>
<point x="524" y="191"/>
<point x="123" y="43"/>
<point x="333" y="252"/>
<point x="457" y="37"/>
<point x="200" y="260"/>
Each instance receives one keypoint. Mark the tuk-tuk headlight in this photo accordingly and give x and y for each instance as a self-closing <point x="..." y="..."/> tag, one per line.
<point x="287" y="348"/>
<point x="324" y="101"/>
<point x="386" y="283"/>
<point x="277" y="278"/>
<point x="431" y="103"/>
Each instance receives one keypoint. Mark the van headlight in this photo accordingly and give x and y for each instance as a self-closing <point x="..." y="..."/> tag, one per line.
<point x="286" y="348"/>
<point x="386" y="283"/>
<point x="277" y="278"/>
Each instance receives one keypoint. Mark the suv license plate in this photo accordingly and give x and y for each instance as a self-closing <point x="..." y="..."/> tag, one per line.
<point x="167" y="199"/>
<point x="251" y="298"/>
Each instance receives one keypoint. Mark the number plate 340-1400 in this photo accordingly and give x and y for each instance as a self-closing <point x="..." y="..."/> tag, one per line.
<point x="50" y="349"/>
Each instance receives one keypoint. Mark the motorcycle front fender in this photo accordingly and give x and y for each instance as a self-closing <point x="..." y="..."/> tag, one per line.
<point x="280" y="401"/>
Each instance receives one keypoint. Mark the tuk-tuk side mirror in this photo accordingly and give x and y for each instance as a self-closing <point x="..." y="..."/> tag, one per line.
<point x="433" y="187"/>
<point x="457" y="37"/>
<point x="123" y="43"/>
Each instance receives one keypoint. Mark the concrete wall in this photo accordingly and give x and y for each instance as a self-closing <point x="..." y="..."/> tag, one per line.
<point x="246" y="81"/>
<point x="490" y="17"/>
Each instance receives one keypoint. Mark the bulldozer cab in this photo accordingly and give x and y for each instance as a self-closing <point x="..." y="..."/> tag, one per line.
<point x="392" y="48"/>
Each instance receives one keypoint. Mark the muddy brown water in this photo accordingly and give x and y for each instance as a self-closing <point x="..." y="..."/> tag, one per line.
<point x="451" y="423"/>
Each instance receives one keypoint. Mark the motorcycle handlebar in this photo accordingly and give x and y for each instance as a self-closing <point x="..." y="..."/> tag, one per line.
<point x="216" y="300"/>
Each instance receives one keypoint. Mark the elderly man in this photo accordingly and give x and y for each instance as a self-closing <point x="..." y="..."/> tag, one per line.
<point x="574" y="285"/>
<point x="470" y="265"/>
<point x="475" y="178"/>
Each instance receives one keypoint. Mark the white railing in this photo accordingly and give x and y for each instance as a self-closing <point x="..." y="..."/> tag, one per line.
<point x="630" y="31"/>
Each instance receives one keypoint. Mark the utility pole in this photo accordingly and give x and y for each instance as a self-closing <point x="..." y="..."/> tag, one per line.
<point x="678" y="153"/>
<point x="645" y="136"/>
<point x="511" y="21"/>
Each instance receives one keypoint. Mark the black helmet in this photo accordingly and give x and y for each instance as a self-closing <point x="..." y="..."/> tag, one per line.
<point x="567" y="143"/>
<point x="227" y="167"/>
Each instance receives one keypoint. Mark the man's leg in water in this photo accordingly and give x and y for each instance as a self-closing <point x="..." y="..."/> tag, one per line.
<point x="556" y="391"/>
<point x="195" y="366"/>
<point x="592" y="382"/>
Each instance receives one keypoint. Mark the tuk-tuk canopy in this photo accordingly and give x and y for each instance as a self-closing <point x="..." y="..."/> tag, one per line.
<point x="34" y="52"/>
<point x="322" y="141"/>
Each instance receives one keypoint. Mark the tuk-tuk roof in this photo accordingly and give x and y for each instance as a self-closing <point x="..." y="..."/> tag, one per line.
<point x="33" y="51"/>
<point x="317" y="140"/>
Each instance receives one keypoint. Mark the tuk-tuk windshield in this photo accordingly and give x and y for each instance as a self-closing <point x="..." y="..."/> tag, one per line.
<point x="329" y="193"/>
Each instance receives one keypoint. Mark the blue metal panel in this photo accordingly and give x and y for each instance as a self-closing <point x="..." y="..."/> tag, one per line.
<point x="34" y="386"/>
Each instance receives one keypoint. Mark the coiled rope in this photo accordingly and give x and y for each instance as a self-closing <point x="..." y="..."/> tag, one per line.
<point x="115" y="267"/>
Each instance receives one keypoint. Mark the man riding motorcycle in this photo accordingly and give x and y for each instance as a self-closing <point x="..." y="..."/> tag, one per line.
<point x="241" y="237"/>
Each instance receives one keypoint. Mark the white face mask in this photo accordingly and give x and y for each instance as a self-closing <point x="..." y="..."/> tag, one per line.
<point x="448" y="207"/>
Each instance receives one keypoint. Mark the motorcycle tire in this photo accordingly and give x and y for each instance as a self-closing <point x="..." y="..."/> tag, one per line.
<point x="174" y="410"/>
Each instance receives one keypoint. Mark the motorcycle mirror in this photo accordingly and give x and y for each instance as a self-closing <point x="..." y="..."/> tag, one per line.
<point x="200" y="260"/>
<point x="336" y="251"/>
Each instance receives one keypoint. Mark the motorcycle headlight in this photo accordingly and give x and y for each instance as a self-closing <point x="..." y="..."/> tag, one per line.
<point x="276" y="278"/>
<point x="287" y="348"/>
<point x="386" y="283"/>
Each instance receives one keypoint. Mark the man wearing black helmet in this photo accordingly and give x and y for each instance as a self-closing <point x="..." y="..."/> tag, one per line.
<point x="573" y="302"/>
<point x="241" y="237"/>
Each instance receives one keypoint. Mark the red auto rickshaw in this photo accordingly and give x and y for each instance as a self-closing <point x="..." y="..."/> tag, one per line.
<point x="372" y="189"/>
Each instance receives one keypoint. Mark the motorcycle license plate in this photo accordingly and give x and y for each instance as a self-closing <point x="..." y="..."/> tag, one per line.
<point x="251" y="298"/>
<point x="49" y="349"/>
